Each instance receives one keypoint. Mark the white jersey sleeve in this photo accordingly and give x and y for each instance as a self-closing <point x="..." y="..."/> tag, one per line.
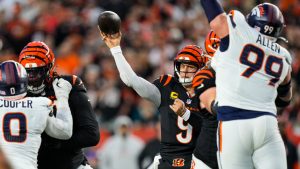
<point x="144" y="88"/>
<point x="61" y="126"/>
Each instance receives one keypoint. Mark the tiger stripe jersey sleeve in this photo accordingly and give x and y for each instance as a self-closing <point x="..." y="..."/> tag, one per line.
<point x="203" y="80"/>
<point x="144" y="88"/>
<point x="163" y="81"/>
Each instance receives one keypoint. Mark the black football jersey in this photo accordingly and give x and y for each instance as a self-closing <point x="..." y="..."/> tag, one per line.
<point x="68" y="153"/>
<point x="206" y="148"/>
<point x="177" y="136"/>
<point x="203" y="80"/>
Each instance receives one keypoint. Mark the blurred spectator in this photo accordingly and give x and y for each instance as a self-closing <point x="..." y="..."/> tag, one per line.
<point x="291" y="149"/>
<point x="151" y="149"/>
<point x="121" y="150"/>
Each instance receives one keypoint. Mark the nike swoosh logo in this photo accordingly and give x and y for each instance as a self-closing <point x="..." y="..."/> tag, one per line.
<point x="57" y="84"/>
<point x="199" y="87"/>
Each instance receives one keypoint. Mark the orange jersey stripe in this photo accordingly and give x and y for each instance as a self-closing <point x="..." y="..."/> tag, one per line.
<point x="168" y="80"/>
<point x="161" y="78"/>
<point x="232" y="12"/>
<point x="74" y="79"/>
<point x="207" y="71"/>
<point x="197" y="83"/>
<point x="201" y="77"/>
<point x="220" y="137"/>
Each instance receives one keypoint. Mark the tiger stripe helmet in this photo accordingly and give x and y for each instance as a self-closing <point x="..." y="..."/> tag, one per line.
<point x="38" y="60"/>
<point x="212" y="43"/>
<point x="190" y="54"/>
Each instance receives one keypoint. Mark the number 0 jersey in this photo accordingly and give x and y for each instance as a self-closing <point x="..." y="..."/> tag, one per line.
<point x="178" y="137"/>
<point x="249" y="71"/>
<point x="22" y="122"/>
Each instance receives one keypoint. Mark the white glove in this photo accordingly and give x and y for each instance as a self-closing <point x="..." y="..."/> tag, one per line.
<point x="61" y="88"/>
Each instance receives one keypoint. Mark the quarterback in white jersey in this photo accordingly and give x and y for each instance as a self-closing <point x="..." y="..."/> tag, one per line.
<point x="23" y="119"/>
<point x="253" y="76"/>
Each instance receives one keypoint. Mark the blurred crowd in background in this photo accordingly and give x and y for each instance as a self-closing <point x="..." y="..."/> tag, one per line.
<point x="153" y="31"/>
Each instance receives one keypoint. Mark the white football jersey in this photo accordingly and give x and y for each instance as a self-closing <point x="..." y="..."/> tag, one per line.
<point x="250" y="70"/>
<point x="22" y="123"/>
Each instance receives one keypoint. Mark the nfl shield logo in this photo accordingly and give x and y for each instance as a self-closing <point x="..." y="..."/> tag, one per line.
<point x="188" y="101"/>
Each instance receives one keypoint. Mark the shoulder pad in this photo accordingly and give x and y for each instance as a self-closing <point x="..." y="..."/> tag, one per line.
<point x="76" y="82"/>
<point x="201" y="75"/>
<point x="237" y="18"/>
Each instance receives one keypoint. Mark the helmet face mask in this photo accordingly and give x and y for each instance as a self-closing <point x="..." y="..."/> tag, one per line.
<point x="36" y="78"/>
<point x="267" y="19"/>
<point x="193" y="58"/>
<point x="185" y="77"/>
<point x="38" y="59"/>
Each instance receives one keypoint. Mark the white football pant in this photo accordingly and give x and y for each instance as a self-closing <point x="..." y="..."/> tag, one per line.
<point x="85" y="167"/>
<point x="251" y="143"/>
<point x="198" y="164"/>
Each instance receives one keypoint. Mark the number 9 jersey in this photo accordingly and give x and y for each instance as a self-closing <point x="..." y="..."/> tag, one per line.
<point x="250" y="67"/>
<point x="178" y="136"/>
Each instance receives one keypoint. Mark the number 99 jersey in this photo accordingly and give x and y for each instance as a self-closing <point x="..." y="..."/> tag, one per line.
<point x="249" y="71"/>
<point x="22" y="122"/>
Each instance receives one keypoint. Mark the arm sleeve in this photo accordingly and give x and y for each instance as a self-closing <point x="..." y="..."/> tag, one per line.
<point x="144" y="88"/>
<point x="61" y="126"/>
<point x="86" y="130"/>
<point x="212" y="9"/>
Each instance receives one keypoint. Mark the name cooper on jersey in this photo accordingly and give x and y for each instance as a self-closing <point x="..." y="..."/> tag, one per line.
<point x="16" y="104"/>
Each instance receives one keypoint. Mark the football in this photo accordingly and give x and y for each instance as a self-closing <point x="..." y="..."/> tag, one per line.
<point x="109" y="22"/>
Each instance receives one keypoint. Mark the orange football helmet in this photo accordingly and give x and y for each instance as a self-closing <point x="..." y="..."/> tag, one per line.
<point x="38" y="60"/>
<point x="212" y="43"/>
<point x="190" y="54"/>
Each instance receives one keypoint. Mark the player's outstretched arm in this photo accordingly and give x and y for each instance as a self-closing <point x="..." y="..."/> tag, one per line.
<point x="88" y="134"/>
<point x="144" y="88"/>
<point x="216" y="17"/>
<point x="61" y="127"/>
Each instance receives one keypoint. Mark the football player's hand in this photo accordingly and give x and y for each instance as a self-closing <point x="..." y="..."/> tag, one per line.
<point x="178" y="107"/>
<point x="61" y="88"/>
<point x="111" y="40"/>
